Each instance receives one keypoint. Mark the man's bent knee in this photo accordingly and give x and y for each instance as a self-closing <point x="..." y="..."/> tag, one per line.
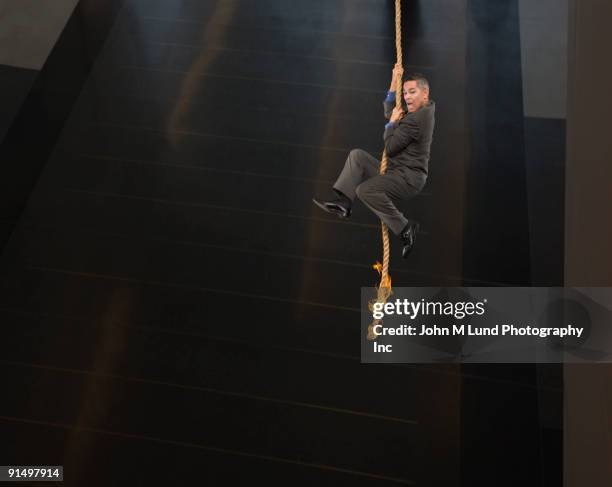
<point x="356" y="153"/>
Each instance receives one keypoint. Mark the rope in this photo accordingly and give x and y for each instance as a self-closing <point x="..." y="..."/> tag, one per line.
<point x="385" y="281"/>
<point x="384" y="288"/>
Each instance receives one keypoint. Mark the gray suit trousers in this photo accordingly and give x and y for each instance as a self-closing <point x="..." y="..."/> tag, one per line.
<point x="361" y="177"/>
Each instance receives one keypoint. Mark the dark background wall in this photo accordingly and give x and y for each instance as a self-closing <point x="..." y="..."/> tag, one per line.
<point x="588" y="234"/>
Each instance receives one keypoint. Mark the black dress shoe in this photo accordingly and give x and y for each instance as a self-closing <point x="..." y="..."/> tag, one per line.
<point x="335" y="207"/>
<point x="408" y="237"/>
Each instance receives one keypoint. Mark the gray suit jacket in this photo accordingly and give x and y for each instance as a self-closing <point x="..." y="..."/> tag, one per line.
<point x="408" y="141"/>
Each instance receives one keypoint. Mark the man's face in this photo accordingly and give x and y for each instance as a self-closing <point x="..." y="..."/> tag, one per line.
<point x="414" y="96"/>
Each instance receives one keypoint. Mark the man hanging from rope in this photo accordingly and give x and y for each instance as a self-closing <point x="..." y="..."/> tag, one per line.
<point x="407" y="137"/>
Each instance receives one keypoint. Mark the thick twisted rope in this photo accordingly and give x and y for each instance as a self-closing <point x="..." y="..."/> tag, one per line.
<point x="384" y="278"/>
<point x="384" y="288"/>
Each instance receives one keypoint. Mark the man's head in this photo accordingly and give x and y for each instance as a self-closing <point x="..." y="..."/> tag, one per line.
<point x="415" y="91"/>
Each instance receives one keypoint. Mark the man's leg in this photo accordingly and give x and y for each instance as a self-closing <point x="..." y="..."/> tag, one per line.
<point x="378" y="193"/>
<point x="358" y="167"/>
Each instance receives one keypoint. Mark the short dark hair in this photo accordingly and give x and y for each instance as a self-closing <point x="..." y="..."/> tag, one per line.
<point x="419" y="78"/>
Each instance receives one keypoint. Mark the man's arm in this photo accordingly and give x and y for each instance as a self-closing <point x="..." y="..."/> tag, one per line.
<point x="389" y="104"/>
<point x="399" y="134"/>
